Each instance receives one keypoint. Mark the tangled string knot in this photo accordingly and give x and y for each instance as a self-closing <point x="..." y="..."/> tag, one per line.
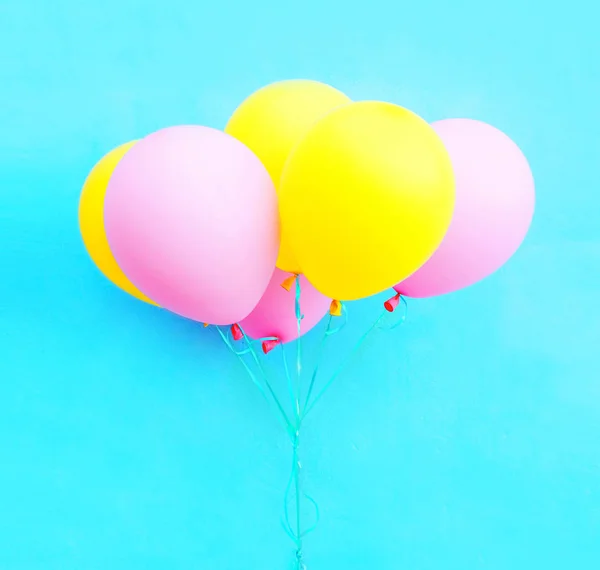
<point x="299" y="560"/>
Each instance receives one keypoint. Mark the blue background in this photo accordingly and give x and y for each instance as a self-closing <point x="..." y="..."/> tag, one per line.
<point x="129" y="439"/>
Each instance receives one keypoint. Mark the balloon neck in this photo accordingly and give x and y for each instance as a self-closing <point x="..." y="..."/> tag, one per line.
<point x="335" y="309"/>
<point x="236" y="332"/>
<point x="205" y="324"/>
<point x="289" y="281"/>
<point x="269" y="345"/>
<point x="391" y="304"/>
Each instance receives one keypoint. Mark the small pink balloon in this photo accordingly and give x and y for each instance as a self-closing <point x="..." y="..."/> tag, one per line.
<point x="275" y="314"/>
<point x="191" y="217"/>
<point x="495" y="199"/>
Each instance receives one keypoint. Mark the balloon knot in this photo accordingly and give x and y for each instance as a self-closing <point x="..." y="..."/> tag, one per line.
<point x="236" y="332"/>
<point x="391" y="304"/>
<point x="205" y="324"/>
<point x="335" y="309"/>
<point x="289" y="281"/>
<point x="269" y="345"/>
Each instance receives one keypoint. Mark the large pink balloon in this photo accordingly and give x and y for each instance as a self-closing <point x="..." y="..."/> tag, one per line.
<point x="494" y="206"/>
<point x="191" y="217"/>
<point x="275" y="314"/>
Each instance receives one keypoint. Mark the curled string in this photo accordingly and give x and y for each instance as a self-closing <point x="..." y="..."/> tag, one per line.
<point x="296" y="441"/>
<point x="293" y="428"/>
<point x="293" y="487"/>
<point x="282" y="416"/>
<point x="329" y="331"/>
<point x="293" y="481"/>
<point x="376" y="325"/>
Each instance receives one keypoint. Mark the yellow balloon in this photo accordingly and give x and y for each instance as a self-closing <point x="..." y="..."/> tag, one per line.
<point x="366" y="198"/>
<point x="272" y="121"/>
<point x="91" y="220"/>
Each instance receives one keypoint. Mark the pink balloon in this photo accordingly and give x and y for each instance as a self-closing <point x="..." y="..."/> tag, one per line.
<point x="191" y="217"/>
<point x="275" y="314"/>
<point x="495" y="200"/>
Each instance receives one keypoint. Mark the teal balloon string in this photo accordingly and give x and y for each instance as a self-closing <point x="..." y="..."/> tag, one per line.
<point x="296" y="472"/>
<point x="289" y="382"/>
<point x="287" y="525"/>
<point x="329" y="331"/>
<point x="282" y="417"/>
<point x="299" y="317"/>
<point x="297" y="466"/>
<point x="244" y="363"/>
<point x="294" y="484"/>
<point x="357" y="346"/>
<point x="290" y="427"/>
<point x="293" y="491"/>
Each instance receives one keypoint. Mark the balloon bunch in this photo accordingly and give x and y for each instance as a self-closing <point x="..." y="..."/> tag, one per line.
<point x="305" y="201"/>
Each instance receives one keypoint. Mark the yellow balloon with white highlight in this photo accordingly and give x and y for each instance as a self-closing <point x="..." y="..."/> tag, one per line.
<point x="272" y="121"/>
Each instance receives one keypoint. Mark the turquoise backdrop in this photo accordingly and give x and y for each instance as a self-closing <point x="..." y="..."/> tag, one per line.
<point x="131" y="440"/>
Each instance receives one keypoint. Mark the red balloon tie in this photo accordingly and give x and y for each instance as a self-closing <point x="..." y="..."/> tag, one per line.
<point x="391" y="304"/>
<point x="236" y="332"/>
<point x="269" y="345"/>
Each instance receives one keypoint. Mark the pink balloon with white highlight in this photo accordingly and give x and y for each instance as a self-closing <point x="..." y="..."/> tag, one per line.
<point x="495" y="199"/>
